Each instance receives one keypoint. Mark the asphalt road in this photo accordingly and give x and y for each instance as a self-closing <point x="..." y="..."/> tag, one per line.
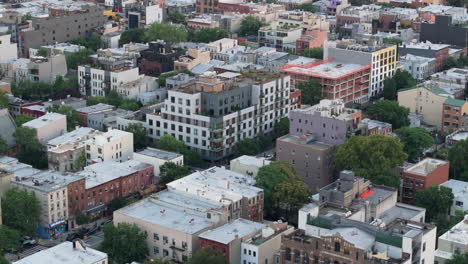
<point x="95" y="241"/>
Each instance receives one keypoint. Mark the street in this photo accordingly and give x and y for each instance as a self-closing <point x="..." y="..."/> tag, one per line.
<point x="94" y="241"/>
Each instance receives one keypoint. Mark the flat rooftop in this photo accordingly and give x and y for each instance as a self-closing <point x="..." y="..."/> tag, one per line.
<point x="326" y="69"/>
<point x="251" y="161"/>
<point x="187" y="201"/>
<point x="65" y="253"/>
<point x="302" y="140"/>
<point x="458" y="233"/>
<point x="108" y="136"/>
<point x="159" y="154"/>
<point x="79" y="134"/>
<point x="371" y="124"/>
<point x="44" y="120"/>
<point x="165" y="216"/>
<point x="237" y="229"/>
<point x="47" y="181"/>
<point x="95" y="108"/>
<point x="459" y="136"/>
<point x="426" y="166"/>
<point x="459" y="189"/>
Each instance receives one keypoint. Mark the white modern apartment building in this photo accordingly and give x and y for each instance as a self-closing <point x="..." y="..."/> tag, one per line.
<point x="419" y="67"/>
<point x="221" y="45"/>
<point x="9" y="50"/>
<point x="279" y="36"/>
<point x="158" y="157"/>
<point x="99" y="81"/>
<point x="116" y="145"/>
<point x="454" y="241"/>
<point x="382" y="57"/>
<point x="48" y="126"/>
<point x="460" y="193"/>
<point x="142" y="84"/>
<point x="50" y="188"/>
<point x="212" y="114"/>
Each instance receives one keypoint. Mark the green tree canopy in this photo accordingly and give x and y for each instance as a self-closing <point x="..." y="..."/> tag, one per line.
<point x="124" y="243"/>
<point x="82" y="219"/>
<point x="31" y="151"/>
<point x="76" y="59"/>
<point x="44" y="91"/>
<point x="250" y="26"/>
<point x="21" y="119"/>
<point x="177" y="18"/>
<point x="307" y="7"/>
<point x="167" y="32"/>
<point x="41" y="52"/>
<point x="393" y="41"/>
<point x="3" y="146"/>
<point x="80" y="162"/>
<point x="170" y="143"/>
<point x="372" y="157"/>
<point x="3" y="260"/>
<point x="415" y="140"/>
<point x="207" y="35"/>
<point x="458" y="258"/>
<point x="9" y="239"/>
<point x="436" y="199"/>
<point x="135" y="35"/>
<point x="400" y="80"/>
<point x="140" y="139"/>
<point x="316" y="53"/>
<point x="311" y="92"/>
<point x="284" y="190"/>
<point x="170" y="172"/>
<point x="92" y="42"/>
<point x="458" y="156"/>
<point x="21" y="211"/>
<point x="3" y="100"/>
<point x="390" y="89"/>
<point x="248" y="146"/>
<point x="207" y="255"/>
<point x="390" y="112"/>
<point x="281" y="128"/>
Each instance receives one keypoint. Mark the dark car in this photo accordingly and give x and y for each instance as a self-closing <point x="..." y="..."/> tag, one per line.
<point x="91" y="231"/>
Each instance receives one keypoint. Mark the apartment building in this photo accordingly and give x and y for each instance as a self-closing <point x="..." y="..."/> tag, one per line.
<point x="459" y="190"/>
<point x="211" y="115"/>
<point x="48" y="126"/>
<point x="425" y="99"/>
<point x="279" y="36"/>
<point x="51" y="189"/>
<point x="9" y="50"/>
<point x="42" y="69"/>
<point x="67" y="252"/>
<point x="233" y="189"/>
<point x="452" y="114"/>
<point x="158" y="58"/>
<point x="419" y="67"/>
<point x="157" y="158"/>
<point x="61" y="25"/>
<point x="108" y="120"/>
<point x="440" y="52"/>
<point x="113" y="145"/>
<point x="64" y="151"/>
<point x="143" y="14"/>
<point x="202" y="22"/>
<point x="453" y="77"/>
<point x="227" y="239"/>
<point x="311" y="39"/>
<point x="452" y="242"/>
<point x="220" y="45"/>
<point x="349" y="82"/>
<point x="382" y="58"/>
<point x="443" y="30"/>
<point x="305" y="20"/>
<point x="192" y="58"/>
<point x="86" y="111"/>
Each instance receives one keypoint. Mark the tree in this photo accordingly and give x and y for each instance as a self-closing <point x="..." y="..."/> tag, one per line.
<point x="117" y="203"/>
<point x="359" y="2"/>
<point x="307" y="7"/>
<point x="207" y="35"/>
<point x="94" y="100"/>
<point x="80" y="162"/>
<point x="162" y="78"/>
<point x="140" y="139"/>
<point x="316" y="53"/>
<point x="372" y="157"/>
<point x="31" y="151"/>
<point x="3" y="146"/>
<point x="390" y="112"/>
<point x="158" y="261"/>
<point x="248" y="146"/>
<point x="92" y="42"/>
<point x="436" y="199"/>
<point x="250" y="26"/>
<point x="21" y="119"/>
<point x="167" y="32"/>
<point x="130" y="105"/>
<point x="457" y="3"/>
<point x="207" y="255"/>
<point x="73" y="118"/>
<point x="82" y="219"/>
<point x="170" y="172"/>
<point x="170" y="143"/>
<point x="390" y="89"/>
<point x="9" y="239"/>
<point x="443" y="225"/>
<point x="400" y="80"/>
<point x="3" y="260"/>
<point x="41" y="52"/>
<point x="458" y="258"/>
<point x="284" y="191"/>
<point x="281" y="128"/>
<point x="21" y="211"/>
<point x="311" y="92"/>
<point x="177" y="18"/>
<point x="3" y="100"/>
<point x="77" y="58"/>
<point x="415" y="140"/>
<point x="458" y="155"/>
<point x="124" y="243"/>
<point x="135" y="35"/>
<point x="393" y="41"/>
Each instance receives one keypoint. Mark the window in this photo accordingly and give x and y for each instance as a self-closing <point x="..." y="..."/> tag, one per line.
<point x="458" y="203"/>
<point x="165" y="239"/>
<point x="156" y="250"/>
<point x="155" y="236"/>
<point x="424" y="246"/>
<point x="337" y="247"/>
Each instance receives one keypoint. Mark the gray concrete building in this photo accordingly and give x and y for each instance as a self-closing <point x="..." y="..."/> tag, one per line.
<point x="61" y="26"/>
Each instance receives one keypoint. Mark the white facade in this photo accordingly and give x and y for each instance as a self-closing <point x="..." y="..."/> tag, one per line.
<point x="9" y="51"/>
<point x="419" y="67"/>
<point x="142" y="84"/>
<point x="98" y="81"/>
<point x="48" y="126"/>
<point x="221" y="45"/>
<point x="454" y="241"/>
<point x="248" y="165"/>
<point x="157" y="158"/>
<point x="113" y="145"/>
<point x="154" y="14"/>
<point x="460" y="193"/>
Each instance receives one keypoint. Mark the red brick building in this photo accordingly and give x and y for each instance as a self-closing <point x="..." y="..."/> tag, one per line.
<point x="453" y="111"/>
<point x="311" y="39"/>
<point x="235" y="8"/>
<point x="426" y="173"/>
<point x="295" y="99"/>
<point x="106" y="181"/>
<point x="34" y="111"/>
<point x="207" y="6"/>
<point x="349" y="82"/>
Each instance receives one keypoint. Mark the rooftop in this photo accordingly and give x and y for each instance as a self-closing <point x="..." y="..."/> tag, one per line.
<point x="371" y="124"/>
<point x="173" y="218"/>
<point x="329" y="108"/>
<point x="459" y="135"/>
<point x="237" y="229"/>
<point x="65" y="253"/>
<point x="95" y="108"/>
<point x="326" y="69"/>
<point x="79" y="134"/>
<point x="424" y="45"/>
<point x="459" y="189"/>
<point x="251" y="161"/>
<point x="458" y="233"/>
<point x="426" y="166"/>
<point x="47" y="181"/>
<point x="159" y="154"/>
<point x="306" y="140"/>
<point x="107" y="137"/>
<point x="455" y="102"/>
<point x="44" y="120"/>
<point x="65" y="47"/>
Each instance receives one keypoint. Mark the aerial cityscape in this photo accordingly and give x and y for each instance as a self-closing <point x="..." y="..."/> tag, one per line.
<point x="233" y="131"/>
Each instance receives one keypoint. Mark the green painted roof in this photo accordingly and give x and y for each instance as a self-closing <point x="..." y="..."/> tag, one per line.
<point x="434" y="88"/>
<point x="454" y="102"/>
